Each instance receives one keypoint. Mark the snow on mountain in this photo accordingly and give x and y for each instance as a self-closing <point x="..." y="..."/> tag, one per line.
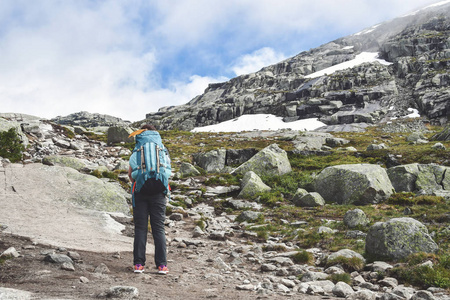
<point x="260" y="122"/>
<point x="359" y="59"/>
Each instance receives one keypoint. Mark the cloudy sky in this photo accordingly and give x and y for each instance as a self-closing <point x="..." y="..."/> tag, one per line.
<point x="127" y="58"/>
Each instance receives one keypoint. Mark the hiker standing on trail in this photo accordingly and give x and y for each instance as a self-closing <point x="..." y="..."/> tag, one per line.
<point x="149" y="173"/>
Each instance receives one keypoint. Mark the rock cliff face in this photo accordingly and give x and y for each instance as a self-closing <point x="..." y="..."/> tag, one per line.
<point x="417" y="47"/>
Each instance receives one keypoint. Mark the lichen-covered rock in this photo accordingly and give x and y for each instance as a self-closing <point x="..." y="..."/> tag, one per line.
<point x="212" y="161"/>
<point x="354" y="184"/>
<point x="65" y="161"/>
<point x="186" y="170"/>
<point x="354" y="218"/>
<point x="272" y="160"/>
<point x="416" y="177"/>
<point x="347" y="253"/>
<point x="119" y="134"/>
<point x="252" y="185"/>
<point x="309" y="200"/>
<point x="398" y="238"/>
<point x="249" y="216"/>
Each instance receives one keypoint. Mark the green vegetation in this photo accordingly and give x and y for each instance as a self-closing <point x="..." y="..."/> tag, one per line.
<point x="303" y="257"/>
<point x="106" y="174"/>
<point x="349" y="264"/>
<point x="11" y="146"/>
<point x="424" y="276"/>
<point x="344" y="277"/>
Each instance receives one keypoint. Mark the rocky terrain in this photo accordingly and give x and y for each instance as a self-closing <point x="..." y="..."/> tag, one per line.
<point x="66" y="228"/>
<point x="415" y="47"/>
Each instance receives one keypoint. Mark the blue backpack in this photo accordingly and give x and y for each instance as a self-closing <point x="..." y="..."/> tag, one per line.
<point x="150" y="159"/>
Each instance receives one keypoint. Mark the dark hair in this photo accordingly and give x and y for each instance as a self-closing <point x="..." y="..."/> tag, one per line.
<point x="148" y="127"/>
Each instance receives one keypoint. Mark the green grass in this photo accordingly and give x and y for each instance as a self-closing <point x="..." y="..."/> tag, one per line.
<point x="412" y="272"/>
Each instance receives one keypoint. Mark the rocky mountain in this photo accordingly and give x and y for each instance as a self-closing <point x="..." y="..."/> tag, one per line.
<point x="416" y="51"/>
<point x="86" y="119"/>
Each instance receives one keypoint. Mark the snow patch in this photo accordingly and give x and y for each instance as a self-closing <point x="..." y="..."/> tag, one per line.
<point x="363" y="57"/>
<point x="414" y="113"/>
<point x="260" y="122"/>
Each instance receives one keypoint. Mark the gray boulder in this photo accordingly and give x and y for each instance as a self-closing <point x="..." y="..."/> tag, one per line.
<point x="347" y="253"/>
<point x="342" y="289"/>
<point x="119" y="134"/>
<point x="354" y="184"/>
<point x="354" y="218"/>
<point x="237" y="157"/>
<point x="398" y="238"/>
<point x="58" y="258"/>
<point x="309" y="200"/>
<point x="249" y="216"/>
<point x="187" y="169"/>
<point x="212" y="161"/>
<point x="416" y="177"/>
<point x="251" y="185"/>
<point x="272" y="160"/>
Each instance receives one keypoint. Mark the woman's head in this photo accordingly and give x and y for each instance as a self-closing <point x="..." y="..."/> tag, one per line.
<point x="148" y="127"/>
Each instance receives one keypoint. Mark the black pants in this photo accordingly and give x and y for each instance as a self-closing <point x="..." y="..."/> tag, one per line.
<point x="148" y="203"/>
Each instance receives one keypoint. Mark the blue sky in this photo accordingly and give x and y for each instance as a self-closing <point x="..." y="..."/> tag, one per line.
<point x="128" y="58"/>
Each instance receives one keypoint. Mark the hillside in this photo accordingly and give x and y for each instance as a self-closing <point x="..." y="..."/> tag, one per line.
<point x="412" y="71"/>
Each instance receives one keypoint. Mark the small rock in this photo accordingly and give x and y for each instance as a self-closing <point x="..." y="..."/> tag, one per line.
<point x="342" y="289"/>
<point x="197" y="232"/>
<point x="268" y="267"/>
<point x="67" y="266"/>
<point x="84" y="279"/>
<point x="282" y="288"/>
<point x="423" y="295"/>
<point x="126" y="292"/>
<point x="389" y="282"/>
<point x="102" y="269"/>
<point x="176" y="217"/>
<point x="74" y="255"/>
<point x="58" y="258"/>
<point x="10" y="252"/>
<point x="438" y="146"/>
<point x="245" y="287"/>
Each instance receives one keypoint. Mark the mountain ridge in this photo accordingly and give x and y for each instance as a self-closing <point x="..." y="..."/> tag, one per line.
<point x="417" y="45"/>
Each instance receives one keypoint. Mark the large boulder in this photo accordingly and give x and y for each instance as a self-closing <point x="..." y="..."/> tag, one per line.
<point x="237" y="157"/>
<point x="354" y="184"/>
<point x="119" y="134"/>
<point x="416" y="177"/>
<point x="252" y="185"/>
<point x="212" y="161"/>
<point x="398" y="238"/>
<point x="312" y="199"/>
<point x="271" y="161"/>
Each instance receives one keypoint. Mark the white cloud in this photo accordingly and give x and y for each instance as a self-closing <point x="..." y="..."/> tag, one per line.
<point x="253" y="62"/>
